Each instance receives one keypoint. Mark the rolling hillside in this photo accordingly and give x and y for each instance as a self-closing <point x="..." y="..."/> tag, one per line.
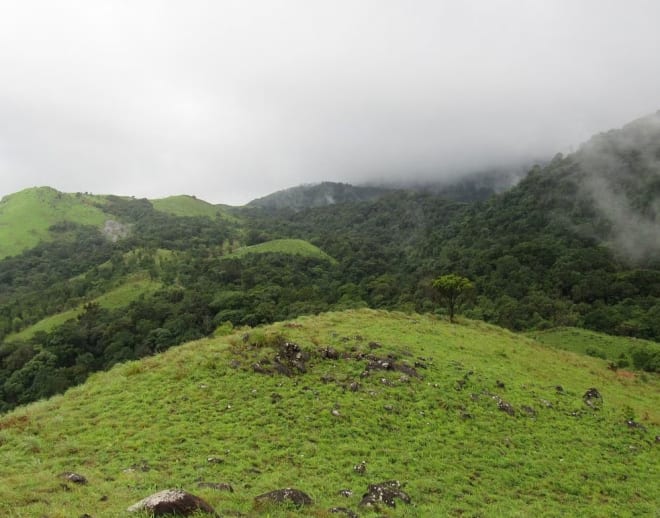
<point x="117" y="297"/>
<point x="26" y="216"/>
<point x="471" y="419"/>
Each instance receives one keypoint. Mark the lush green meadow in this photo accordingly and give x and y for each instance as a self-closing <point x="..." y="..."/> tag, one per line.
<point x="619" y="350"/>
<point x="446" y="434"/>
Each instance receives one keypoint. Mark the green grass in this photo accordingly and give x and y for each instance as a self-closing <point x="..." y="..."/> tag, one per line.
<point x="442" y="434"/>
<point x="115" y="298"/>
<point x="183" y="205"/>
<point x="284" y="246"/>
<point x="591" y="343"/>
<point x="25" y="216"/>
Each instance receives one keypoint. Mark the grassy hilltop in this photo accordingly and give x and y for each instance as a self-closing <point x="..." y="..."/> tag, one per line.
<point x="472" y="419"/>
<point x="26" y="216"/>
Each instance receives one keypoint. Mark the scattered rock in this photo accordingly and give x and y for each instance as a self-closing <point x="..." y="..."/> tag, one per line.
<point x="335" y="412"/>
<point x="330" y="353"/>
<point x="172" y="501"/>
<point x="104" y="498"/>
<point x="559" y="389"/>
<point x="635" y="425"/>
<point x="389" y="408"/>
<point x="234" y="364"/>
<point x="500" y="384"/>
<point x="593" y="399"/>
<point x="346" y="493"/>
<point x="657" y="439"/>
<point x="327" y="378"/>
<point x="528" y="410"/>
<point x="360" y="468"/>
<point x="505" y="406"/>
<point x="286" y="495"/>
<point x="343" y="510"/>
<point x="85" y="515"/>
<point x="384" y="493"/>
<point x="220" y="486"/>
<point x="260" y="369"/>
<point x="215" y="460"/>
<point x="354" y="386"/>
<point x="74" y="477"/>
<point x="374" y="345"/>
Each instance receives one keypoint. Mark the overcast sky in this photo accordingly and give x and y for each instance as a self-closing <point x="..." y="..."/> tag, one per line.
<point x="231" y="100"/>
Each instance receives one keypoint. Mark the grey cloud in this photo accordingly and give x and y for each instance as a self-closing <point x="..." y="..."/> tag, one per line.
<point x="232" y="100"/>
<point x="618" y="177"/>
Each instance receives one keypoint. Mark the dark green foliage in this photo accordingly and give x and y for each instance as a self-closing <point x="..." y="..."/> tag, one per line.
<point x="453" y="291"/>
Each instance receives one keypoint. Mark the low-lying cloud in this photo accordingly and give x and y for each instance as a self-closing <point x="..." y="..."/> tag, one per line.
<point x="232" y="100"/>
<point x="621" y="175"/>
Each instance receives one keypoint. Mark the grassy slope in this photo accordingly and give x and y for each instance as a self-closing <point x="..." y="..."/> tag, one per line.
<point x="25" y="216"/>
<point x="173" y="411"/>
<point x="284" y="246"/>
<point x="184" y="205"/>
<point x="115" y="298"/>
<point x="582" y="340"/>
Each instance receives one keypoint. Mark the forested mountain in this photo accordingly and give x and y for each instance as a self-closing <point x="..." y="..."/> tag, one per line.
<point x="575" y="243"/>
<point x="317" y="195"/>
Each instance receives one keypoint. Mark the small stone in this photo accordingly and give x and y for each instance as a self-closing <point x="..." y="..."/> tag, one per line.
<point x="74" y="477"/>
<point x="384" y="493"/>
<point x="171" y="501"/>
<point x="335" y="412"/>
<point x="215" y="460"/>
<point x="360" y="468"/>
<point x="346" y="493"/>
<point x="286" y="495"/>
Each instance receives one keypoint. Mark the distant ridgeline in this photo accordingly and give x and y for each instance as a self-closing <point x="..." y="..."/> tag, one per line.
<point x="574" y="243"/>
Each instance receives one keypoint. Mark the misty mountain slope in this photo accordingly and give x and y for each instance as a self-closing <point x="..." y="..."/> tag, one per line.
<point x="470" y="418"/>
<point x="317" y="195"/>
<point x="620" y="173"/>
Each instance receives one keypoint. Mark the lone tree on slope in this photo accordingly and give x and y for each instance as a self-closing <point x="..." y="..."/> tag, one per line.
<point x="453" y="290"/>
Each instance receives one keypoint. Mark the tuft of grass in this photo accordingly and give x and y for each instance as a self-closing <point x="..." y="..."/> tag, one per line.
<point x="26" y="216"/>
<point x="284" y="246"/>
<point x="153" y="424"/>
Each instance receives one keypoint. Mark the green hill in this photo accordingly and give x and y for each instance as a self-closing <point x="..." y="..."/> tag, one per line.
<point x="472" y="420"/>
<point x="26" y="216"/>
<point x="185" y="206"/>
<point x="284" y="246"/>
<point x="115" y="298"/>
